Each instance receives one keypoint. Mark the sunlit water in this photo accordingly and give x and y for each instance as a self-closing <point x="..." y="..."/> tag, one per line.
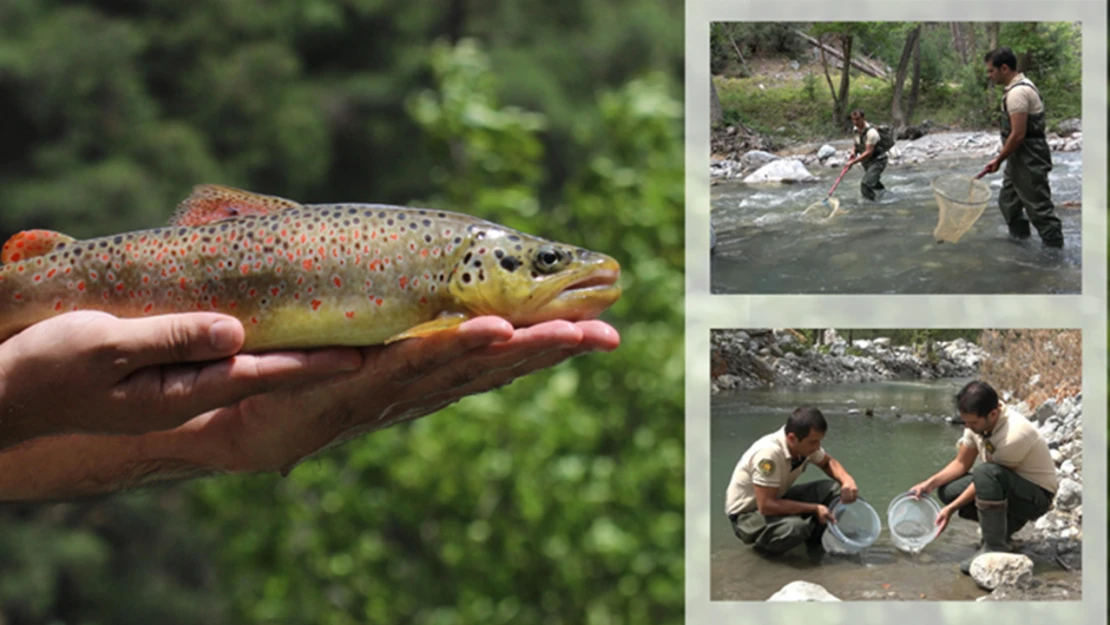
<point x="765" y="245"/>
<point x="886" y="454"/>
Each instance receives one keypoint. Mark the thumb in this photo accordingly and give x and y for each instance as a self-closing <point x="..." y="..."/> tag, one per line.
<point x="177" y="338"/>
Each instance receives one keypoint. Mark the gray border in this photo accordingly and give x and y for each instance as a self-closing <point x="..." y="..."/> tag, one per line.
<point x="703" y="312"/>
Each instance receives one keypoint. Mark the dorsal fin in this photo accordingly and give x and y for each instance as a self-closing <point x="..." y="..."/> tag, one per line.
<point x="31" y="243"/>
<point x="209" y="203"/>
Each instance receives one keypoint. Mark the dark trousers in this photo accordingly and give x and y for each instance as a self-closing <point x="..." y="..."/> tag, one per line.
<point x="1025" y="501"/>
<point x="774" y="535"/>
<point x="872" y="170"/>
<point x="1026" y="197"/>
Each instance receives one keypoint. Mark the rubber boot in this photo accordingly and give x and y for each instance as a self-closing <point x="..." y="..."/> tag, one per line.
<point x="992" y="520"/>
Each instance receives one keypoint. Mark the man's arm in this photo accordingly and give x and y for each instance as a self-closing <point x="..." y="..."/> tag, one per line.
<point x="862" y="157"/>
<point x="848" y="489"/>
<point x="769" y="503"/>
<point x="1013" y="142"/>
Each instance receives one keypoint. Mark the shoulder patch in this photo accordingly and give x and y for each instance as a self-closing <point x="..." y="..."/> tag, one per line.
<point x="766" y="467"/>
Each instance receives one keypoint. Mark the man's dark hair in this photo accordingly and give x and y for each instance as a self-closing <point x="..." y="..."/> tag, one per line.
<point x="857" y="112"/>
<point x="977" y="398"/>
<point x="804" y="419"/>
<point x="1001" y="56"/>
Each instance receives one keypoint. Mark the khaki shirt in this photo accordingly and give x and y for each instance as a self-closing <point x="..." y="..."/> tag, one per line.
<point x="1022" y="99"/>
<point x="765" y="463"/>
<point x="871" y="138"/>
<point x="1017" y="445"/>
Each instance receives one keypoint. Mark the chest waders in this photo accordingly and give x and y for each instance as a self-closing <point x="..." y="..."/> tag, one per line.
<point x="1026" y="196"/>
<point x="873" y="167"/>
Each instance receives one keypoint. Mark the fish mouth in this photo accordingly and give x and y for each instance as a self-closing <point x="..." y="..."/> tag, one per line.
<point x="583" y="297"/>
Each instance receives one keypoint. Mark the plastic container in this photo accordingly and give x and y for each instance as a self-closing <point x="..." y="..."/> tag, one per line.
<point x="911" y="522"/>
<point x="857" y="526"/>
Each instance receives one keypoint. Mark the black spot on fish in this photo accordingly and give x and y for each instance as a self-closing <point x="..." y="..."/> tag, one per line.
<point x="427" y="222"/>
<point x="76" y="252"/>
<point x="517" y="247"/>
<point x="427" y="238"/>
<point x="466" y="259"/>
<point x="412" y="226"/>
<point x="466" y="278"/>
<point x="181" y="231"/>
<point x="117" y="240"/>
<point x="441" y="215"/>
<point x="510" y="263"/>
<point x="92" y="246"/>
<point x="498" y="253"/>
<point x="61" y="246"/>
<point x="389" y="222"/>
<point x="103" y="244"/>
<point x="481" y="275"/>
<point x="458" y="240"/>
<point x="352" y="211"/>
<point x="381" y="215"/>
<point x="514" y="238"/>
<point x="347" y="223"/>
<point x="400" y="215"/>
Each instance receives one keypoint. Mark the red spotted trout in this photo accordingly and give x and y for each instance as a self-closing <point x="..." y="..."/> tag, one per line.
<point x="307" y="275"/>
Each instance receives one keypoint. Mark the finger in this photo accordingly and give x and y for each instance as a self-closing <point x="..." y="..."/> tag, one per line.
<point x="168" y="339"/>
<point x="176" y="394"/>
<point x="410" y="359"/>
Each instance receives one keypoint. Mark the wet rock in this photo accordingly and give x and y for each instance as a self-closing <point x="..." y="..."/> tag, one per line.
<point x="1046" y="410"/>
<point x="1069" y="127"/>
<point x="1037" y="591"/>
<point x="992" y="570"/>
<point x="825" y="152"/>
<point x="802" y="591"/>
<point x="783" y="170"/>
<point x="757" y="158"/>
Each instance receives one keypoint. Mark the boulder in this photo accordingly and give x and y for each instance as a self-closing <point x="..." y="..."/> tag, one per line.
<point x="995" y="569"/>
<point x="1069" y="494"/>
<point x="802" y="591"/>
<point x="825" y="152"/>
<point x="782" y="170"/>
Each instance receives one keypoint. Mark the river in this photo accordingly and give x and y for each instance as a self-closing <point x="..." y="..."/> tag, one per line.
<point x="766" y="246"/>
<point x="905" y="442"/>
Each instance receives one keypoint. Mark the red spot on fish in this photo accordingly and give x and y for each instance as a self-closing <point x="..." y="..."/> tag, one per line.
<point x="275" y="291"/>
<point x="284" y="232"/>
<point x="146" y="279"/>
<point x="296" y="296"/>
<point x="148" y="308"/>
<point x="105" y="257"/>
<point x="403" y="281"/>
<point x="232" y="305"/>
<point x="244" y="269"/>
<point x="81" y="285"/>
<point x="16" y="256"/>
<point x="19" y="269"/>
<point x="393" y="235"/>
<point x="68" y="269"/>
<point x="373" y="234"/>
<point x="423" y="301"/>
<point x="252" y="292"/>
<point x="37" y="278"/>
<point x="50" y="274"/>
<point x="338" y="283"/>
<point x="58" y="305"/>
<point x="119" y="287"/>
<point x="307" y="264"/>
<point x="378" y="301"/>
<point x="350" y="314"/>
<point x="181" y="283"/>
<point x="254" y="320"/>
<point x="215" y="301"/>
<point x="424" y="252"/>
<point x="316" y="304"/>
<point x="93" y="275"/>
<point x="18" y="296"/>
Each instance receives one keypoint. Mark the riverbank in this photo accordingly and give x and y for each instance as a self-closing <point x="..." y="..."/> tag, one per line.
<point x="761" y="359"/>
<point x="741" y="163"/>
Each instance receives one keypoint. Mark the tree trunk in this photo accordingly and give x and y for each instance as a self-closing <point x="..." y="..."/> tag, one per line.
<point x="896" y="118"/>
<point x="972" y="34"/>
<point x="915" y="85"/>
<point x="864" y="65"/>
<point x="992" y="34"/>
<point x="828" y="79"/>
<point x="845" y="78"/>
<point x="715" y="112"/>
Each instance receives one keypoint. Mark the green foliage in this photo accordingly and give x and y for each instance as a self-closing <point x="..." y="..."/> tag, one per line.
<point x="557" y="500"/>
<point x="753" y="39"/>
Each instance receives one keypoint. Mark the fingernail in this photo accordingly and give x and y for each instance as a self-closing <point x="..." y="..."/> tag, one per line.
<point x="222" y="334"/>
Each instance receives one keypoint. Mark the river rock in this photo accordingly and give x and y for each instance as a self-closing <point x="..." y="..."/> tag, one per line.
<point x="782" y="170"/>
<point x="757" y="158"/>
<point x="825" y="152"/>
<point x="1047" y="409"/>
<point x="1069" y="494"/>
<point x="1069" y="127"/>
<point x="995" y="569"/>
<point x="802" y="591"/>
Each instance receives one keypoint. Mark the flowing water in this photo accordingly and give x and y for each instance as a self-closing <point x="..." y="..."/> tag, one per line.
<point x="766" y="246"/>
<point x="906" y="441"/>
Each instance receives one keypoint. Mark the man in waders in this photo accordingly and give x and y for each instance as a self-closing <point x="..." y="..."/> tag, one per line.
<point x="1015" y="481"/>
<point x="765" y="508"/>
<point x="870" y="149"/>
<point x="1025" y="150"/>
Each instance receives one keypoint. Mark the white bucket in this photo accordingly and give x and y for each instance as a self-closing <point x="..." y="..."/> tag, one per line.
<point x="857" y="526"/>
<point x="911" y="521"/>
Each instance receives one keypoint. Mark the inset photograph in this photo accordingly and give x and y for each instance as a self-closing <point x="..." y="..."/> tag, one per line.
<point x="896" y="157"/>
<point x="905" y="465"/>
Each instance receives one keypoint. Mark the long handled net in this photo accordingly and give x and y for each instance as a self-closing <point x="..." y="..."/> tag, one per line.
<point x="961" y="200"/>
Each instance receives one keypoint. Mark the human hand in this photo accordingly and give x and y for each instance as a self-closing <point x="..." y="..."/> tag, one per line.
<point x="848" y="491"/>
<point x="91" y="372"/>
<point x="824" y="515"/>
<point x="921" y="489"/>
<point x="396" y="383"/>
<point x="941" y="521"/>
<point x="992" y="166"/>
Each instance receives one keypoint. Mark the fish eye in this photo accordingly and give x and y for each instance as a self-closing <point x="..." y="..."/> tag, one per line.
<point x="549" y="259"/>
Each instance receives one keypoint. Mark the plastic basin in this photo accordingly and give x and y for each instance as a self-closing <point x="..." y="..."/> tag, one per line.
<point x="857" y="526"/>
<point x="911" y="521"/>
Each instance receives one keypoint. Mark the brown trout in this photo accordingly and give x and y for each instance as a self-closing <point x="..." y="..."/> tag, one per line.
<point x="300" y="276"/>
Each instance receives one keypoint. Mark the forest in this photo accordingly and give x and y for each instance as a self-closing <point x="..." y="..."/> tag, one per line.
<point x="790" y="79"/>
<point x="556" y="500"/>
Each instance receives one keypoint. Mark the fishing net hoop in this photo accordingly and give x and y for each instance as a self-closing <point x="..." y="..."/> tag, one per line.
<point x="961" y="200"/>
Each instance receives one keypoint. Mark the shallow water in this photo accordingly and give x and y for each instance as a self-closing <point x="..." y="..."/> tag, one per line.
<point x="905" y="442"/>
<point x="765" y="245"/>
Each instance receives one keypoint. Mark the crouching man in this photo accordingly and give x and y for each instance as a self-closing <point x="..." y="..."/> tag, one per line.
<point x="765" y="508"/>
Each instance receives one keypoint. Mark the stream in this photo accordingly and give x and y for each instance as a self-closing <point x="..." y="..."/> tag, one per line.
<point x="766" y="246"/>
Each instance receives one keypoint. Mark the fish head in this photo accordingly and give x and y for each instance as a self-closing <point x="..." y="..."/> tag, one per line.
<point x="528" y="280"/>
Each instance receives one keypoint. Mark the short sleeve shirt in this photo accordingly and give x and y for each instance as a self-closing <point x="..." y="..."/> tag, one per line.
<point x="766" y="463"/>
<point x="870" y="135"/>
<point x="1023" y="99"/>
<point x="1017" y="445"/>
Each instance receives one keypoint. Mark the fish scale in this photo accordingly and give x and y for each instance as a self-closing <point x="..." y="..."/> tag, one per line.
<point x="307" y="275"/>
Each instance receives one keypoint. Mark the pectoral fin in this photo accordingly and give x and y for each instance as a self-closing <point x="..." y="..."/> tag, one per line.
<point x="210" y="203"/>
<point x="445" y="323"/>
<point x="31" y="243"/>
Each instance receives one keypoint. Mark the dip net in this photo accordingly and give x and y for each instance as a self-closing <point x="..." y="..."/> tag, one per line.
<point x="961" y="200"/>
